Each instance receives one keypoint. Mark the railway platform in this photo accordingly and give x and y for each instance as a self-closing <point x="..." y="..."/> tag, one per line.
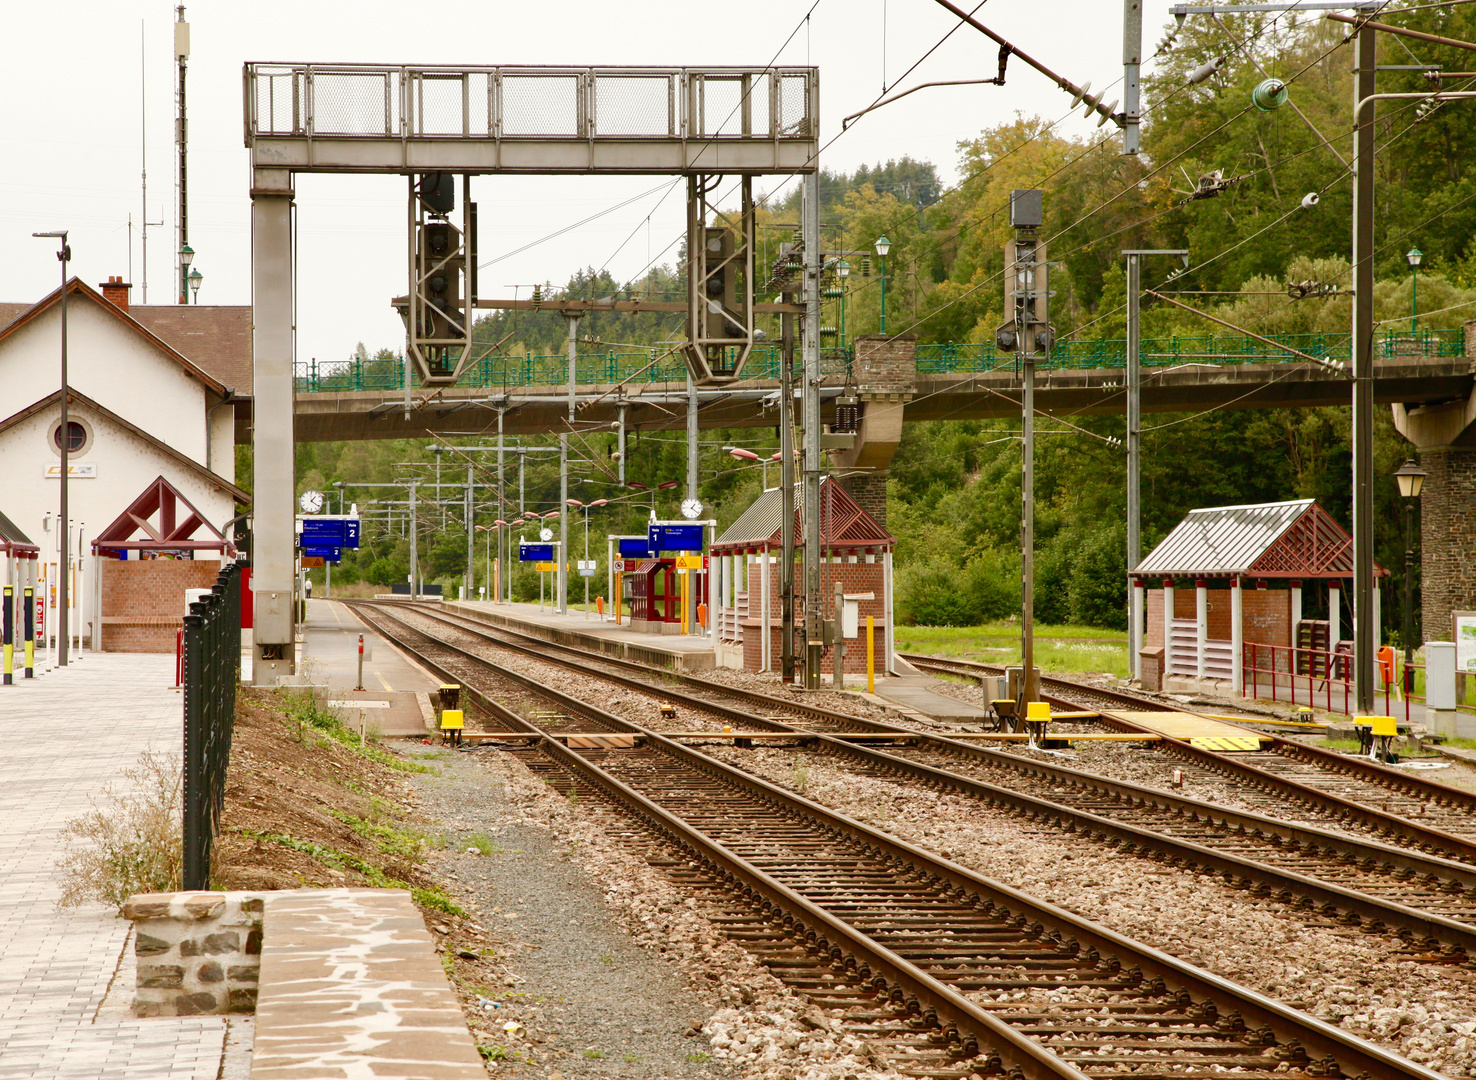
<point x="684" y="653"/>
<point x="64" y="998"/>
<point x="396" y="694"/>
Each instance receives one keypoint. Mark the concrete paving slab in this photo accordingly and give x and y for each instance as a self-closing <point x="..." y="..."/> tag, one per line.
<point x="917" y="694"/>
<point x="395" y="688"/>
<point x="63" y="736"/>
<point x="687" y="652"/>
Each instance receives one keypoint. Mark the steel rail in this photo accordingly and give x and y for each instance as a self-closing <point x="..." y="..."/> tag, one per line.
<point x="1356" y="905"/>
<point x="1426" y="837"/>
<point x="1308" y="1039"/>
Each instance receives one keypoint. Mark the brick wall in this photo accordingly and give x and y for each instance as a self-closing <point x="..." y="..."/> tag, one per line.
<point x="1447" y="537"/>
<point x="143" y="603"/>
<point x="870" y="492"/>
<point x="855" y="577"/>
<point x="855" y="661"/>
<point x="885" y="364"/>
<point x="1266" y="614"/>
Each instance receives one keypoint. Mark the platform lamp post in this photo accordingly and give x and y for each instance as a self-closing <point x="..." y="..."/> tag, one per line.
<point x="186" y="256"/>
<point x="489" y="530"/>
<point x="64" y="444"/>
<point x="883" y="245"/>
<point x="1411" y="478"/>
<point x="1414" y="256"/>
<point x="196" y="279"/>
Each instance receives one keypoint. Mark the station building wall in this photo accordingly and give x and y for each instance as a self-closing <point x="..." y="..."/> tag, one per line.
<point x="1265" y="614"/>
<point x="118" y="367"/>
<point x="143" y="603"/>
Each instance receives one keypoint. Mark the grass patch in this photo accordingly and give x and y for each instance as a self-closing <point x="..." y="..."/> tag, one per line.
<point x="484" y="844"/>
<point x="491" y="1052"/>
<point x="392" y="841"/>
<point x="426" y="896"/>
<point x="1057" y="648"/>
<point x="304" y="714"/>
<point x="594" y="1054"/>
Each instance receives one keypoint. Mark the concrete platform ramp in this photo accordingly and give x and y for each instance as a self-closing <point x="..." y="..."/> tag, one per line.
<point x="350" y="987"/>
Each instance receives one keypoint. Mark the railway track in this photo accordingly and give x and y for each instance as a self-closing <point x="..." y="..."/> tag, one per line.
<point x="943" y="966"/>
<point x="1325" y="780"/>
<point x="1429" y="901"/>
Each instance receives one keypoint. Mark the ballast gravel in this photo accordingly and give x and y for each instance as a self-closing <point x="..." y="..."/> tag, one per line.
<point x="616" y="971"/>
<point x="1368" y="985"/>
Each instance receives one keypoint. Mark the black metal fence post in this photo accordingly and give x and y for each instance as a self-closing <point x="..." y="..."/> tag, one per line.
<point x="212" y="665"/>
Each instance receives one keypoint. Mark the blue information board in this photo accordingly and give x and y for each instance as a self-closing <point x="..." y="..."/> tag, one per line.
<point x="634" y="549"/>
<point x="675" y="537"/>
<point x="535" y="552"/>
<point x="327" y="554"/>
<point x="330" y="532"/>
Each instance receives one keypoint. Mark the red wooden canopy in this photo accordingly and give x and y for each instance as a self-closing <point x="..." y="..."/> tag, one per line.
<point x="156" y="513"/>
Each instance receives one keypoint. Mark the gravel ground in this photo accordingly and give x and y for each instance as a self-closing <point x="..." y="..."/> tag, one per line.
<point x="616" y="972"/>
<point x="1367" y="985"/>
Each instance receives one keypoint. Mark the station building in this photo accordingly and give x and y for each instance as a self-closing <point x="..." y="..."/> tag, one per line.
<point x="857" y="555"/>
<point x="156" y="395"/>
<point x="1235" y="593"/>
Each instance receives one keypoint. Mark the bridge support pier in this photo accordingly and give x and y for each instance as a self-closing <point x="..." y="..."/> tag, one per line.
<point x="274" y="487"/>
<point x="1445" y="437"/>
<point x="885" y="373"/>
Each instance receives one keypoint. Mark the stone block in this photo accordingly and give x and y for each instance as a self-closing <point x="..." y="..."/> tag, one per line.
<point x="147" y="906"/>
<point x="149" y="945"/>
<point x="253" y="943"/>
<point x="160" y="976"/>
<point x="205" y="907"/>
<point x="243" y="1000"/>
<point x="210" y="972"/>
<point x="243" y="973"/>
<point x="226" y="942"/>
<point x="195" y="1004"/>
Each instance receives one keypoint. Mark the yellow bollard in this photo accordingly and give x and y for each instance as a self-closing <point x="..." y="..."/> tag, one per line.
<point x="870" y="656"/>
<point x="684" y="579"/>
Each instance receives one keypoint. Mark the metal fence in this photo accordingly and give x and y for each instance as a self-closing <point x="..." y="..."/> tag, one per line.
<point x="400" y="102"/>
<point x="498" y="372"/>
<point x="212" y="669"/>
<point x="509" y="372"/>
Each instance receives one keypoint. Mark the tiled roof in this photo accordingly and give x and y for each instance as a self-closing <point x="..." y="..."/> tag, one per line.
<point x="217" y="338"/>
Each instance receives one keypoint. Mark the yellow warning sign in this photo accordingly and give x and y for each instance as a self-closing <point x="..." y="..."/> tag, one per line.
<point x="689" y="562"/>
<point x="545" y="566"/>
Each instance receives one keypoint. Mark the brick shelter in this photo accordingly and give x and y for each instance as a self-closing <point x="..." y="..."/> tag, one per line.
<point x="148" y="557"/>
<point x="857" y="554"/>
<point x="1229" y="577"/>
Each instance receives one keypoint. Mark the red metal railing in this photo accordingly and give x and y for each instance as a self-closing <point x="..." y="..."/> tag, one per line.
<point x="1310" y="676"/>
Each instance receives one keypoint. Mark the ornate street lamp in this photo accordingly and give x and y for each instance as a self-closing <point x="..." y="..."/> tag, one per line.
<point x="883" y="245"/>
<point x="1411" y="479"/>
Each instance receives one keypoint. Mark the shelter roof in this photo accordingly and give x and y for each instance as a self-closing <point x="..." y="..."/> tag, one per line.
<point x="845" y="528"/>
<point x="78" y="287"/>
<point x="170" y="530"/>
<point x="1296" y="539"/>
<point x="133" y="429"/>
<point x="13" y="541"/>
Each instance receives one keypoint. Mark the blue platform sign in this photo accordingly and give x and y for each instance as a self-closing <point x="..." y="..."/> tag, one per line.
<point x="634" y="548"/>
<point x="535" y="553"/>
<point x="325" y="532"/>
<point x="675" y="537"/>
<point x="327" y="554"/>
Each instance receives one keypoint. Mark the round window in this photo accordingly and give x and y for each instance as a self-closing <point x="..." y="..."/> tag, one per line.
<point x="76" y="436"/>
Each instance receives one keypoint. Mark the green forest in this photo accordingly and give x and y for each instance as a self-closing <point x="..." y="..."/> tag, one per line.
<point x="954" y="487"/>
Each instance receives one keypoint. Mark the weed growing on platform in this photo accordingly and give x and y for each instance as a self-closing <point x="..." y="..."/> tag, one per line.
<point x="129" y="841"/>
<point x="426" y="896"/>
<point x="491" y="1052"/>
<point x="405" y="843"/>
<point x="304" y="714"/>
<point x="484" y="844"/>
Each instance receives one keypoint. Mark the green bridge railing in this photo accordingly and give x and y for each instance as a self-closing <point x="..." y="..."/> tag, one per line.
<point x="499" y="372"/>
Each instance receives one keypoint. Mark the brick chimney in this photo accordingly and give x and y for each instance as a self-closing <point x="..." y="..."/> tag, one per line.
<point x="116" y="290"/>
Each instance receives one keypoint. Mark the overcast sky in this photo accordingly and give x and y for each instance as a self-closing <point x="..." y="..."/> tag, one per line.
<point x="70" y="144"/>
